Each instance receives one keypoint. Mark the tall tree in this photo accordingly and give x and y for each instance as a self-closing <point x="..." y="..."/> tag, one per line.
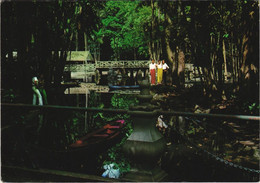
<point x="250" y="48"/>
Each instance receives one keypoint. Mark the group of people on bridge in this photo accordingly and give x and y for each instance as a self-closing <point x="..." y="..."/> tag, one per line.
<point x="158" y="69"/>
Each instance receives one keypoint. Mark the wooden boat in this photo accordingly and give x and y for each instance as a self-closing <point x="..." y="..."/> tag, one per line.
<point x="102" y="135"/>
<point x="98" y="139"/>
<point x="82" y="152"/>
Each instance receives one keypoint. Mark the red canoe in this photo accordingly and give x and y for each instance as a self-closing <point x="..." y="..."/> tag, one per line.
<point x="104" y="134"/>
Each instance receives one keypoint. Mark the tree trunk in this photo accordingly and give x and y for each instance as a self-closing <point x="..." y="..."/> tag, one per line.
<point x="169" y="51"/>
<point x="85" y="42"/>
<point x="77" y="40"/>
<point x="225" y="61"/>
<point x="181" y="68"/>
<point x="150" y="50"/>
<point x="60" y="67"/>
<point x="250" y="45"/>
<point x="134" y="53"/>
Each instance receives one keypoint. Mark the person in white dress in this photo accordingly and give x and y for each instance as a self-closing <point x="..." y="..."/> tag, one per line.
<point x="152" y="68"/>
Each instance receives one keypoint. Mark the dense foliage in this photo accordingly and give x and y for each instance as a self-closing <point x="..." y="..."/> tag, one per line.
<point x="221" y="38"/>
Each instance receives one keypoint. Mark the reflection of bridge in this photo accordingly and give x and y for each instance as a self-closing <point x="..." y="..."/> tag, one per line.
<point x="89" y="67"/>
<point x="84" y="88"/>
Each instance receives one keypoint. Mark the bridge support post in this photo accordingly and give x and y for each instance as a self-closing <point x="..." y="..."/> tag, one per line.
<point x="146" y="144"/>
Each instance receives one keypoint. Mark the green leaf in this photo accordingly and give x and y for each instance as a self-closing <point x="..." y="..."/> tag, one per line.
<point x="225" y="35"/>
<point x="60" y="3"/>
<point x="187" y="9"/>
<point x="32" y="40"/>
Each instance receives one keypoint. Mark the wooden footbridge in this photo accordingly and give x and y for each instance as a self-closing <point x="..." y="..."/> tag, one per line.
<point x="81" y="66"/>
<point x="98" y="70"/>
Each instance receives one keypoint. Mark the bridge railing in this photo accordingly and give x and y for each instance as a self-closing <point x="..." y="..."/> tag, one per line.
<point x="123" y="64"/>
<point x="123" y="111"/>
<point x="80" y="68"/>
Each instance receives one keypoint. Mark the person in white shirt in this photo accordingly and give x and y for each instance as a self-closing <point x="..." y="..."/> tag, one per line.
<point x="159" y="72"/>
<point x="165" y="68"/>
<point x="36" y="92"/>
<point x="152" y="68"/>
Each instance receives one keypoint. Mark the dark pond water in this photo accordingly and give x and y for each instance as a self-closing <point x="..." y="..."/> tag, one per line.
<point x="181" y="161"/>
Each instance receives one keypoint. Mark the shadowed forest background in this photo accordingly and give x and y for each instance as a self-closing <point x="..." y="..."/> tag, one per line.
<point x="220" y="38"/>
